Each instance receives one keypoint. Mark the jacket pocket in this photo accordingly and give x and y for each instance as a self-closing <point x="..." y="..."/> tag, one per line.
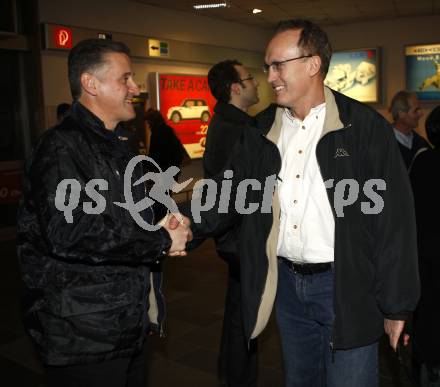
<point x="96" y="298"/>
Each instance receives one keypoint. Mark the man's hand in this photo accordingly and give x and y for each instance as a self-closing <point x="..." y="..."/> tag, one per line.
<point x="394" y="328"/>
<point x="177" y="226"/>
<point x="174" y="220"/>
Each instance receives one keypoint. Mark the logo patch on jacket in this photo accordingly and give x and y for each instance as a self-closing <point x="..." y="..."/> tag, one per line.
<point x="341" y="152"/>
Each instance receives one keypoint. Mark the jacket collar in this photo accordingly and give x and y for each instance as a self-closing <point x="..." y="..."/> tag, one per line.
<point x="332" y="120"/>
<point x="274" y="132"/>
<point x="232" y="113"/>
<point x="90" y="122"/>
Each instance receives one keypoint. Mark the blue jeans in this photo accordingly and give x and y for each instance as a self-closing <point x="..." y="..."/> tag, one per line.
<point x="304" y="310"/>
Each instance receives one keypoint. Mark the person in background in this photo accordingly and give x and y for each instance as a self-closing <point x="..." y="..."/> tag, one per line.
<point x="62" y="110"/>
<point x="86" y="270"/>
<point x="426" y="188"/>
<point x="406" y="112"/>
<point x="236" y="91"/>
<point x="165" y="147"/>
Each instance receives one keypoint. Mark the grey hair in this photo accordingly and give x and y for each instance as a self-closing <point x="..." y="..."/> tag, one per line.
<point x="400" y="103"/>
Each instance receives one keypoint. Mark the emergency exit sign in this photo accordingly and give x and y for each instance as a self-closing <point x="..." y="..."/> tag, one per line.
<point x="158" y="48"/>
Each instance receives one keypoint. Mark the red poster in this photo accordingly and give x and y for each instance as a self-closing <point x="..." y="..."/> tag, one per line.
<point x="187" y="105"/>
<point x="62" y="37"/>
<point x="10" y="186"/>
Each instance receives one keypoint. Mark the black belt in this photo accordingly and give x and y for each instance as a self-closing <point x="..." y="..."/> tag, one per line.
<point x="306" y="268"/>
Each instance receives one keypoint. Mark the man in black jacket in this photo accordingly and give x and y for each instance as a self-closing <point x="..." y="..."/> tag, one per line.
<point x="85" y="260"/>
<point x="334" y="245"/>
<point x="426" y="190"/>
<point x="406" y="111"/>
<point x="236" y="91"/>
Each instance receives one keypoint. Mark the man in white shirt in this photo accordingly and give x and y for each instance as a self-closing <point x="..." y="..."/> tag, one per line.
<point x="406" y="111"/>
<point x="336" y="253"/>
<point x="297" y="60"/>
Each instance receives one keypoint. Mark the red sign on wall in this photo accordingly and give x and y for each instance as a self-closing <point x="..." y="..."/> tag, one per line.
<point x="187" y="105"/>
<point x="10" y="186"/>
<point x="62" y="37"/>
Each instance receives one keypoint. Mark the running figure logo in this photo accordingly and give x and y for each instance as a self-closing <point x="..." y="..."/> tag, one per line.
<point x="164" y="184"/>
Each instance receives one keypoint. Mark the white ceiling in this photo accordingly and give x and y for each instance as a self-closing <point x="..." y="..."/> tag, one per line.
<point x="324" y="12"/>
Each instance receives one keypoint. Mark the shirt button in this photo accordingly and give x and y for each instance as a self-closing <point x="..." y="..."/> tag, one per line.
<point x="295" y="226"/>
<point x="297" y="176"/>
<point x="300" y="151"/>
<point x="303" y="127"/>
<point x="295" y="201"/>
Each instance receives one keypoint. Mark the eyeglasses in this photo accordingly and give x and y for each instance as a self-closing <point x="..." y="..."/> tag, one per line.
<point x="277" y="66"/>
<point x="249" y="78"/>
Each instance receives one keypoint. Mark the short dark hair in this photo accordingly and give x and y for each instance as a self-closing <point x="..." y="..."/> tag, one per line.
<point x="62" y="110"/>
<point x="87" y="56"/>
<point x="432" y="126"/>
<point x="220" y="78"/>
<point x="313" y="40"/>
<point x="400" y="103"/>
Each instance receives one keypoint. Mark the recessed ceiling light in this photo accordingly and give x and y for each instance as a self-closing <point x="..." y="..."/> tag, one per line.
<point x="256" y="10"/>
<point x="205" y="6"/>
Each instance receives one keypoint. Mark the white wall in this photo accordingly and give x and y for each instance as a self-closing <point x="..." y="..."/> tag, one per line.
<point x="140" y="19"/>
<point x="134" y="18"/>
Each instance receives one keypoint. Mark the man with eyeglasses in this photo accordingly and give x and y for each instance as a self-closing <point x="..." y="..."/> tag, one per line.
<point x="342" y="280"/>
<point x="338" y="279"/>
<point x="236" y="91"/>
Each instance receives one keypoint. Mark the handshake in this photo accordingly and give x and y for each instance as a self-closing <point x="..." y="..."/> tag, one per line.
<point x="177" y="226"/>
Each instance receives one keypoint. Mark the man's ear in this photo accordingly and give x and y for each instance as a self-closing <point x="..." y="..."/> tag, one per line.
<point x="236" y="88"/>
<point x="89" y="83"/>
<point x="314" y="65"/>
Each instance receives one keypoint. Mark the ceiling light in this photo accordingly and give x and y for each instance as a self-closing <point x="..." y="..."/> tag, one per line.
<point x="205" y="6"/>
<point x="256" y="10"/>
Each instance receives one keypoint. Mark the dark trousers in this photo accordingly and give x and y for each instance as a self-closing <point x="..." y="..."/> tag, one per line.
<point x="122" y="372"/>
<point x="237" y="364"/>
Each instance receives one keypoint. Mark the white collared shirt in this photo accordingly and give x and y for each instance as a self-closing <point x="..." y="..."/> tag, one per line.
<point x="405" y="139"/>
<point x="306" y="223"/>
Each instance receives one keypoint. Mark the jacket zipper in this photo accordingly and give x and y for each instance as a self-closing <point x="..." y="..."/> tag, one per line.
<point x="332" y="345"/>
<point x="332" y="349"/>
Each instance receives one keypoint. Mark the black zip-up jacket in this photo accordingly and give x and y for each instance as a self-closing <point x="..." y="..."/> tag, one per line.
<point x="224" y="131"/>
<point x="376" y="274"/>
<point x="86" y="282"/>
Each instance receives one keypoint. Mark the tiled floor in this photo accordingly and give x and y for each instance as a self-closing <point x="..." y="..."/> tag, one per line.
<point x="195" y="288"/>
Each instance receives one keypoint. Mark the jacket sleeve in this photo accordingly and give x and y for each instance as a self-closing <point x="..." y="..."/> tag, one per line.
<point x="90" y="239"/>
<point x="214" y="222"/>
<point x="397" y="280"/>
